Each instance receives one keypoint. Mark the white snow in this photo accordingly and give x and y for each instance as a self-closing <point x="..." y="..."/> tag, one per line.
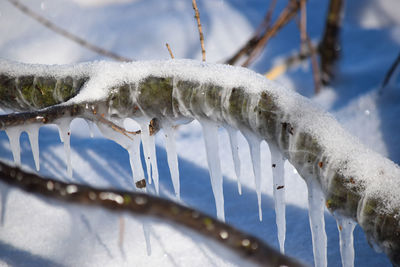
<point x="139" y="29"/>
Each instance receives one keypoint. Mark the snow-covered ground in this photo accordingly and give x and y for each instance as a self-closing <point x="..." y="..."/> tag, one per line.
<point x="37" y="233"/>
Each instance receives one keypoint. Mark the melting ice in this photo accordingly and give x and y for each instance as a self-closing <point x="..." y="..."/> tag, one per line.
<point x="316" y="206"/>
<point x="210" y="133"/>
<point x="172" y="157"/>
<point x="346" y="228"/>
<point x="235" y="155"/>
<point x="254" y="144"/>
<point x="65" y="136"/>
<point x="278" y="177"/>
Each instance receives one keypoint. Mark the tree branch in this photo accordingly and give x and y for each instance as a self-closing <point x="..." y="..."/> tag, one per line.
<point x="247" y="246"/>
<point x="330" y="44"/>
<point x="50" y="25"/>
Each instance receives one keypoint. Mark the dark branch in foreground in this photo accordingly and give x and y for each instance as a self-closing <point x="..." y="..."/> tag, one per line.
<point x="50" y="25"/>
<point x="142" y="204"/>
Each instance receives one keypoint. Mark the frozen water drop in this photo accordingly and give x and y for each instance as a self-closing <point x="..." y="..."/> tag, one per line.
<point x="131" y="144"/>
<point x="346" y="228"/>
<point x="316" y="206"/>
<point x="254" y="144"/>
<point x="172" y="157"/>
<point x="65" y="134"/>
<point x="145" y="134"/>
<point x="278" y="177"/>
<point x="135" y="160"/>
<point x="13" y="134"/>
<point x="210" y="133"/>
<point x="235" y="155"/>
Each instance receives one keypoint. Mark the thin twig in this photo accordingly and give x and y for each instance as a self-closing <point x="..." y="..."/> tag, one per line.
<point x="306" y="44"/>
<point x="389" y="75"/>
<point x="170" y="51"/>
<point x="314" y="66"/>
<point x="142" y="204"/>
<point x="262" y="29"/>
<point x="303" y="25"/>
<point x="266" y="23"/>
<point x="197" y="16"/>
<point x="287" y="14"/>
<point x="254" y="46"/>
<point x="50" y="25"/>
<point x="330" y="44"/>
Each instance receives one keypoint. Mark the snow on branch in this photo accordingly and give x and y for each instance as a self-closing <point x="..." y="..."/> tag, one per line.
<point x="351" y="180"/>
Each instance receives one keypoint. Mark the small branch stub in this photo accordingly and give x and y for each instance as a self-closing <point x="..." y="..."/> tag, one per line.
<point x="197" y="16"/>
<point x="170" y="51"/>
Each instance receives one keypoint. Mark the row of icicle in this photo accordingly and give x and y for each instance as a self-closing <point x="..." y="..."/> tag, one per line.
<point x="210" y="131"/>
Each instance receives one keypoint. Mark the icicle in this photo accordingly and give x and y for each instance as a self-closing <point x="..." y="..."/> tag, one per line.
<point x="346" y="228"/>
<point x="278" y="177"/>
<point x="132" y="145"/>
<point x="172" y="157"/>
<point x="146" y="232"/>
<point x="316" y="205"/>
<point x="135" y="160"/>
<point x="65" y="134"/>
<point x="13" y="134"/>
<point x="254" y="144"/>
<point x="210" y="132"/>
<point x="153" y="160"/>
<point x="235" y="155"/>
<point x="33" y="134"/>
<point x="144" y="125"/>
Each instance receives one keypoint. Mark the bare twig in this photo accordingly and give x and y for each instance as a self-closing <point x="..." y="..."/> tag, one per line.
<point x="306" y="44"/>
<point x="330" y="44"/>
<point x="113" y="126"/>
<point x="315" y="67"/>
<point x="264" y="26"/>
<point x="50" y="25"/>
<point x="266" y="23"/>
<point x="287" y="14"/>
<point x="197" y="16"/>
<point x="303" y="25"/>
<point x="142" y="204"/>
<point x="254" y="46"/>
<point x="170" y="51"/>
<point x="390" y="74"/>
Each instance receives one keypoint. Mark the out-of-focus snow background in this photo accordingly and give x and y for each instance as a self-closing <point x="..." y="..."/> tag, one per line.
<point x="35" y="233"/>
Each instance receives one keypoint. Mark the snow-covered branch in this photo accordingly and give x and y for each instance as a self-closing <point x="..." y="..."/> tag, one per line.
<point x="355" y="182"/>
